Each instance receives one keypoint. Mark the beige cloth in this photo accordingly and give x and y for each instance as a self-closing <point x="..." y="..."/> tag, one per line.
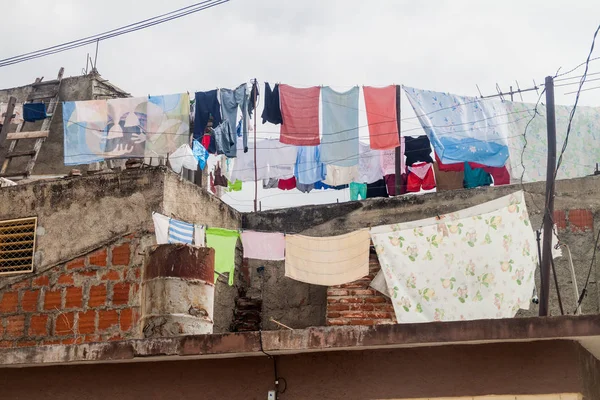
<point x="328" y="261"/>
<point x="337" y="176"/>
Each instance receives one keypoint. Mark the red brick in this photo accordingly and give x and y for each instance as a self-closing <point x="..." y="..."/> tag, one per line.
<point x="97" y="296"/>
<point x="15" y="326"/>
<point x="355" y="285"/>
<point x="87" y="322"/>
<point x="375" y="299"/>
<point x="29" y="301"/>
<point x="121" y="254"/>
<point x="115" y="337"/>
<point x="560" y="219"/>
<point x="74" y="297"/>
<point x="98" y="258"/>
<point x="38" y="325"/>
<point x="111" y="275"/>
<point x="1" y="328"/>
<point x="91" y="338"/>
<point x="120" y="294"/>
<point x="362" y="292"/>
<point x="66" y="279"/>
<point x="362" y="307"/>
<point x="5" y="344"/>
<point x="331" y="300"/>
<point x="21" y="285"/>
<point x="363" y="322"/>
<point x="126" y="319"/>
<point x="333" y="314"/>
<point x="338" y="307"/>
<point x="52" y="300"/>
<point x="86" y="274"/>
<point x="65" y="324"/>
<point x="337" y="321"/>
<point x="50" y="342"/>
<point x="352" y="300"/>
<point x="337" y="292"/>
<point x="40" y="281"/>
<point x="581" y="220"/>
<point x="9" y="302"/>
<point x="74" y="340"/>
<point x="26" y="343"/>
<point x="77" y="263"/>
<point x="107" y="319"/>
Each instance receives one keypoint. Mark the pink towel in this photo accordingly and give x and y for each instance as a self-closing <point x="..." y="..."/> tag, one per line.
<point x="381" y="116"/>
<point x="263" y="246"/>
<point x="300" y="112"/>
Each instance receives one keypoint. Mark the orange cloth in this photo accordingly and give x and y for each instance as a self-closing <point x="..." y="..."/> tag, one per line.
<point x="381" y="116"/>
<point x="300" y="112"/>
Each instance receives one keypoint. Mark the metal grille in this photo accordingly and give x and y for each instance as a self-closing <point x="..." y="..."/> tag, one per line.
<point x="17" y="243"/>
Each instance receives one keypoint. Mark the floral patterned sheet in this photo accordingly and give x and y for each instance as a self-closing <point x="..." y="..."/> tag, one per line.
<point x="476" y="263"/>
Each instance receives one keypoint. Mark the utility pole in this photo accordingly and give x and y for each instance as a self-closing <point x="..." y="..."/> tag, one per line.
<point x="255" y="167"/>
<point x="398" y="150"/>
<point x="549" y="209"/>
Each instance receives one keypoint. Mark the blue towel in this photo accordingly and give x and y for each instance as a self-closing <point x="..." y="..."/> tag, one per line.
<point x="309" y="168"/>
<point x="200" y="153"/>
<point x="339" y="144"/>
<point x="34" y="111"/>
<point x="180" y="232"/>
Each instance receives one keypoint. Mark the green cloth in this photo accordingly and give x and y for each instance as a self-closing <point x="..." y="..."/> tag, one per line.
<point x="223" y="241"/>
<point x="357" y="189"/>
<point x="234" y="186"/>
<point x="476" y="177"/>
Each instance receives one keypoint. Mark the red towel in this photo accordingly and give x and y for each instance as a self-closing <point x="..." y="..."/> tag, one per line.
<point x="381" y="116"/>
<point x="300" y="112"/>
<point x="500" y="175"/>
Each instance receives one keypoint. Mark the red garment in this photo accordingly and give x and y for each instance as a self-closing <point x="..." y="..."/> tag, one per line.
<point x="300" y="112"/>
<point x="500" y="175"/>
<point x="390" y="182"/>
<point x="414" y="183"/>
<point x="206" y="141"/>
<point x="381" y="117"/>
<point x="287" y="184"/>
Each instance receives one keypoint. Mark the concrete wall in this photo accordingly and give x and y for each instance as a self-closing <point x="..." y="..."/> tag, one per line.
<point x="51" y="158"/>
<point x="577" y="208"/>
<point x="535" y="368"/>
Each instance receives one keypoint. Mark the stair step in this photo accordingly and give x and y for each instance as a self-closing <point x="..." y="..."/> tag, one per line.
<point x="15" y="154"/>
<point x="27" y="135"/>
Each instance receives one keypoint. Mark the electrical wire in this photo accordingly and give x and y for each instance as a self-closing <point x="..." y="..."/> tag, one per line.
<point x="587" y="279"/>
<point x="113" y="33"/>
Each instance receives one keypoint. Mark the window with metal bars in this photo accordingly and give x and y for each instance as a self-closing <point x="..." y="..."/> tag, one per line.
<point x="17" y="244"/>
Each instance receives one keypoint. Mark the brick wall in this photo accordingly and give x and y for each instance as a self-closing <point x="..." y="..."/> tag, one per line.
<point x="356" y="303"/>
<point x="92" y="298"/>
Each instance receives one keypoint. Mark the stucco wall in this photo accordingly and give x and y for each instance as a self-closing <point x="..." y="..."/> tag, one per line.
<point x="545" y="367"/>
<point x="577" y="208"/>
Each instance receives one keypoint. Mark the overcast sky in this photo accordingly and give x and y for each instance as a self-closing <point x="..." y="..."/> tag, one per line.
<point x="440" y="45"/>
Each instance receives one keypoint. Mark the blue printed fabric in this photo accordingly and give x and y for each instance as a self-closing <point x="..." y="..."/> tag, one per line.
<point x="462" y="128"/>
<point x="84" y="125"/>
<point x="309" y="168"/>
<point x="339" y="144"/>
<point x="180" y="232"/>
<point x="200" y="153"/>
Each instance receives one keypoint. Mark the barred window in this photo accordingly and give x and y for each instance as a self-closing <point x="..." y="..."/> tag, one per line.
<point x="17" y="244"/>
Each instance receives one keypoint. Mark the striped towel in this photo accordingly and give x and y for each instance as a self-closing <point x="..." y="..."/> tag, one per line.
<point x="180" y="232"/>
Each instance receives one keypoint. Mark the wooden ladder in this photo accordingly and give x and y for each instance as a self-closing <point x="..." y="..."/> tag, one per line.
<point x="39" y="93"/>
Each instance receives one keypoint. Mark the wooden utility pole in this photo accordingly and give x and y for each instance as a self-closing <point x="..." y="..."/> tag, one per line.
<point x="549" y="209"/>
<point x="398" y="151"/>
<point x="255" y="167"/>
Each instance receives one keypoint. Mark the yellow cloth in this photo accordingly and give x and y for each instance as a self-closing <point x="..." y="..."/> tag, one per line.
<point x="328" y="261"/>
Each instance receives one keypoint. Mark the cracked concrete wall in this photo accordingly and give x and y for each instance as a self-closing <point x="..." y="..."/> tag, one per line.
<point x="577" y="206"/>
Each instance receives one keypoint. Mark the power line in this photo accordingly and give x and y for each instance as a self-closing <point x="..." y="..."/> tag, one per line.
<point x="159" y="19"/>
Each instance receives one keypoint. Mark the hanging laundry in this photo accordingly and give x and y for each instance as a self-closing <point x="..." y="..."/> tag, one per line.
<point x="463" y="128"/>
<point x="388" y="160"/>
<point x="234" y="186"/>
<point x="127" y="128"/>
<point x="420" y="176"/>
<point x="338" y="176"/>
<point x="169" y="230"/>
<point x="477" y="263"/>
<point x="224" y="242"/>
<point x="417" y="149"/>
<point x="243" y="168"/>
<point x="272" y="110"/>
<point x="34" y="112"/>
<point x="309" y="168"/>
<point x="304" y="188"/>
<point x="230" y="101"/>
<point x="377" y="189"/>
<point x="339" y="142"/>
<point x="220" y="179"/>
<point x="84" y="131"/>
<point x="253" y="98"/>
<point x="225" y="140"/>
<point x="583" y="151"/>
<point x="358" y="190"/>
<point x="200" y="153"/>
<point x="500" y="175"/>
<point x="381" y="117"/>
<point x="183" y="157"/>
<point x="287" y="184"/>
<point x="281" y="159"/>
<point x="17" y="113"/>
<point x="207" y="104"/>
<point x="167" y="124"/>
<point x="369" y="165"/>
<point x="300" y="111"/>
<point x="390" y="182"/>
<point x="448" y="180"/>
<point x="476" y="177"/>
<point x="270" y="183"/>
<point x="328" y="261"/>
<point x="268" y="246"/>
<point x="322" y="186"/>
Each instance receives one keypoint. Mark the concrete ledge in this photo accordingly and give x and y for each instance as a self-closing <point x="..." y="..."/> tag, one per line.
<point x="584" y="329"/>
